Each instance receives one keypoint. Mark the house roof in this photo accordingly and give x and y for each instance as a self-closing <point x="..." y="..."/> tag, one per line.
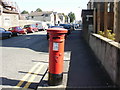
<point x="10" y="12"/>
<point x="25" y="15"/>
<point x="40" y="13"/>
<point x="9" y="7"/>
<point x="60" y="14"/>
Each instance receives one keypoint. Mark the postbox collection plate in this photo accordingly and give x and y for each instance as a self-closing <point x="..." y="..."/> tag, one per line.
<point x="55" y="46"/>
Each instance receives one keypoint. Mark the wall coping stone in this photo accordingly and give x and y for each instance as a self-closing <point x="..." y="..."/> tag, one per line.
<point x="116" y="44"/>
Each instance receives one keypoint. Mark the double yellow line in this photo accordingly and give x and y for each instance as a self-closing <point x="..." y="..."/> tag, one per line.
<point x="37" y="68"/>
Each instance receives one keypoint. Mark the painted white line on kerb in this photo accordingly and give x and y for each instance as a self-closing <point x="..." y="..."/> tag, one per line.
<point x="33" y="76"/>
<point x="27" y="75"/>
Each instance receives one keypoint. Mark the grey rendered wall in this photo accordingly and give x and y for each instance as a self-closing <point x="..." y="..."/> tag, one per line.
<point x="108" y="52"/>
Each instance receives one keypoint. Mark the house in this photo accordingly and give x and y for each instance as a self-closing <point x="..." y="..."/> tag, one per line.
<point x="24" y="17"/>
<point x="45" y="16"/>
<point x="61" y="17"/>
<point x="50" y="17"/>
<point x="9" y="14"/>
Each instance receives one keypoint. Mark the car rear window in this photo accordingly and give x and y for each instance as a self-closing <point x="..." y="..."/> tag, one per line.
<point x="66" y="26"/>
<point x="33" y="25"/>
<point x="12" y="28"/>
<point x="56" y="27"/>
<point x="19" y="28"/>
<point x="26" y="26"/>
<point x="1" y="29"/>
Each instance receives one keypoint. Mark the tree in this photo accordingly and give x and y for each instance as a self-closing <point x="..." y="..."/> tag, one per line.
<point x="63" y="14"/>
<point x="38" y="10"/>
<point x="72" y="16"/>
<point x="66" y="18"/>
<point x="24" y="12"/>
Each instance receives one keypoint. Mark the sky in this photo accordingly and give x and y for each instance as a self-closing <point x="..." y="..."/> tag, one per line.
<point x="60" y="6"/>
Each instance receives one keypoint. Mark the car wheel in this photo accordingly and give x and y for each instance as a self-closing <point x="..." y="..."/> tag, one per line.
<point x="47" y="37"/>
<point x="25" y="33"/>
<point x="17" y="34"/>
<point x="9" y="36"/>
<point x="33" y="31"/>
<point x="65" y="37"/>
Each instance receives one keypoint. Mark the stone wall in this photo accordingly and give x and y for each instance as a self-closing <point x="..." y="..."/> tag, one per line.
<point x="8" y="20"/>
<point x="26" y="22"/>
<point x="11" y="20"/>
<point x="108" y="52"/>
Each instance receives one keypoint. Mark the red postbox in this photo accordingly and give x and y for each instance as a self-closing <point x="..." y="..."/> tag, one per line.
<point x="56" y="55"/>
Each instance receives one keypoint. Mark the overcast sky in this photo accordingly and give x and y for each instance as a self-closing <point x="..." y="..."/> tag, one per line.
<point x="63" y="6"/>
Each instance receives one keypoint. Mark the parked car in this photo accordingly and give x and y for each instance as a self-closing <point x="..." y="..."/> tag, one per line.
<point x="68" y="27"/>
<point x="17" y="30"/>
<point x="41" y="26"/>
<point x="54" y="27"/>
<point x="31" y="28"/>
<point x="73" y="27"/>
<point x="76" y="25"/>
<point x="4" y="33"/>
<point x="49" y="25"/>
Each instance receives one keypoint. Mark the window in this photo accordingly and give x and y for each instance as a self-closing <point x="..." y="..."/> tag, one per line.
<point x="108" y="7"/>
<point x="46" y="15"/>
<point x="11" y="29"/>
<point x="19" y="28"/>
<point x="2" y="29"/>
<point x="42" y="15"/>
<point x="26" y="26"/>
<point x="0" y="10"/>
<point x="33" y="25"/>
<point x="32" y="16"/>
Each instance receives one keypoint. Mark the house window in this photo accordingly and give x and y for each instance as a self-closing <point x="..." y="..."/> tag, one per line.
<point x="87" y="18"/>
<point x="0" y="10"/>
<point x="32" y="16"/>
<point x="108" y="7"/>
<point x="42" y="15"/>
<point x="46" y="15"/>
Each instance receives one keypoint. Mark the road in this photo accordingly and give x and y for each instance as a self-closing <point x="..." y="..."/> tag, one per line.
<point x="24" y="60"/>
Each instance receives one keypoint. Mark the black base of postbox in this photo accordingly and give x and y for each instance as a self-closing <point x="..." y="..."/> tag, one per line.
<point x="55" y="79"/>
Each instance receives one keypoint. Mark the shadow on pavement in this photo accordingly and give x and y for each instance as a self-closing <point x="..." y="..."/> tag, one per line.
<point x="36" y="42"/>
<point x="12" y="82"/>
<point x="40" y="61"/>
<point x="85" y="71"/>
<point x="31" y="73"/>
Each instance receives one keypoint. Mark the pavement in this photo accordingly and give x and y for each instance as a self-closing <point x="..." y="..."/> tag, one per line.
<point x="81" y="67"/>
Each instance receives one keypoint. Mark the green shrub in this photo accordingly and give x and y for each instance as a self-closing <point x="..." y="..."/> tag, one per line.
<point x="109" y="34"/>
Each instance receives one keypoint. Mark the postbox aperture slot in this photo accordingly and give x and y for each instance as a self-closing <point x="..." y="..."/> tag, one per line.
<point x="56" y="38"/>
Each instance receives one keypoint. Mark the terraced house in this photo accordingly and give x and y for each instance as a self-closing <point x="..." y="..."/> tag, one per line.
<point x="46" y="16"/>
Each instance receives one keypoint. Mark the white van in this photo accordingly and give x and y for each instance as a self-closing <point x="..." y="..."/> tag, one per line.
<point x="41" y="26"/>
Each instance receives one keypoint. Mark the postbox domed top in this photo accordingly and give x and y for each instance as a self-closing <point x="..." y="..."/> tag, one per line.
<point x="57" y="30"/>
